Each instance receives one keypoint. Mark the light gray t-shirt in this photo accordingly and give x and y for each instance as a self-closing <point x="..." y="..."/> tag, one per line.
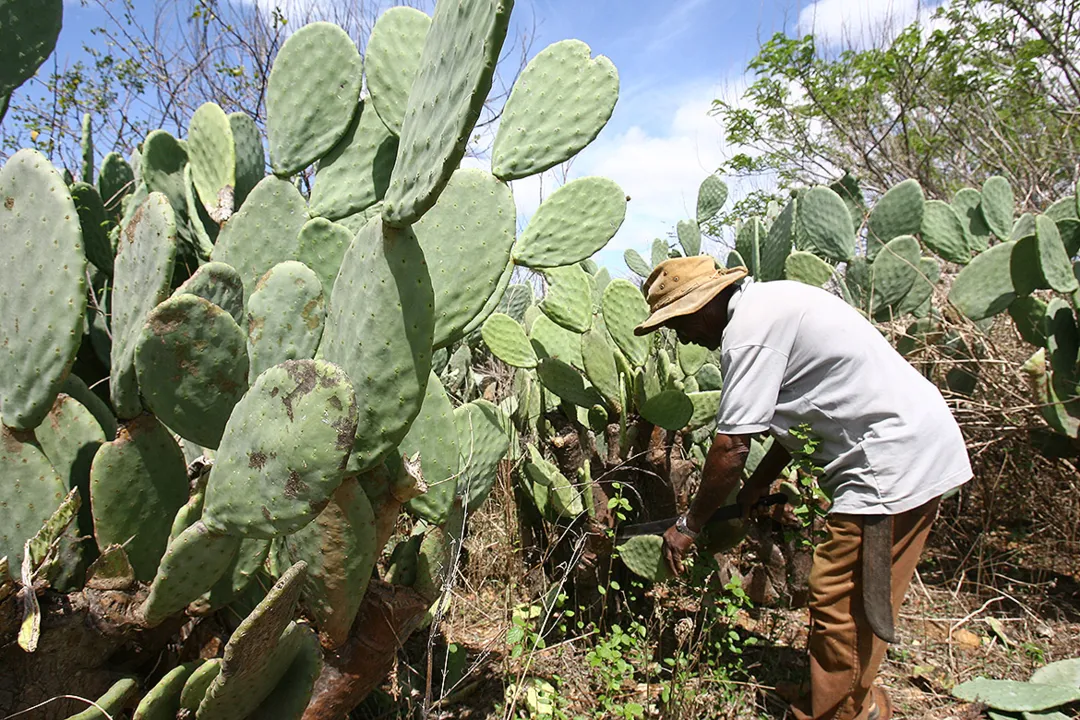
<point x="793" y="354"/>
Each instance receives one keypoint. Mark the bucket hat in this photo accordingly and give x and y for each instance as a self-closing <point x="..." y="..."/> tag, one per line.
<point x="682" y="286"/>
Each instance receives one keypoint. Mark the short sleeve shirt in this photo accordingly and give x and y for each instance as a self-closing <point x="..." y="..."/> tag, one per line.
<point x="795" y="355"/>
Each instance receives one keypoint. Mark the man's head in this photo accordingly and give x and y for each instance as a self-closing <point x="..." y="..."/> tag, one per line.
<point x="688" y="295"/>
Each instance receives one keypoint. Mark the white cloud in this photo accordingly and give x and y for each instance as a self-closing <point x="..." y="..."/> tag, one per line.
<point x="861" y="23"/>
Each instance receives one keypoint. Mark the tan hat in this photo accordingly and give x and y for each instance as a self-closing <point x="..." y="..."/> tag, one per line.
<point x="682" y="286"/>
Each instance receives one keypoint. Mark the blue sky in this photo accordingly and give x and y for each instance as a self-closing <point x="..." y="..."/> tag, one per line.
<point x="674" y="57"/>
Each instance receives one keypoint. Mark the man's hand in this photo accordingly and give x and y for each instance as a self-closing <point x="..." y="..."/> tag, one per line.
<point x="676" y="546"/>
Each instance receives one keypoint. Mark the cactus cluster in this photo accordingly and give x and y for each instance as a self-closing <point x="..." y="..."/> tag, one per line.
<point x="263" y="361"/>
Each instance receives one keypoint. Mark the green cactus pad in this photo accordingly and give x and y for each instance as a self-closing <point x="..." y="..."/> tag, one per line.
<point x="30" y="31"/>
<point x="1013" y="696"/>
<point x="204" y="229"/>
<point x="291" y="696"/>
<point x="311" y="95"/>
<point x="671" y="410"/>
<point x="42" y="285"/>
<point x="712" y="194"/>
<point x="944" y="232"/>
<point x="516" y="300"/>
<point x="1023" y="227"/>
<point x="748" y="243"/>
<point x="568" y="300"/>
<point x="624" y="309"/>
<point x="968" y="205"/>
<point x="249" y="154"/>
<point x="1064" y="673"/>
<point x="249" y="559"/>
<point x="258" y="653"/>
<point x="689" y="237"/>
<point x="87" y="147"/>
<point x="212" y="154"/>
<point x="734" y="260"/>
<point x="598" y="357"/>
<point x="1025" y="267"/>
<point x="162" y="170"/>
<point x="706" y="405"/>
<point x="136" y="481"/>
<point x="558" y="105"/>
<point x="507" y="341"/>
<point x="284" y="451"/>
<point x="483" y="441"/>
<point x="643" y="556"/>
<point x="284" y="316"/>
<point x="141" y="276"/>
<point x="660" y="251"/>
<point x="691" y="357"/>
<point x="851" y="193"/>
<point x="30" y="490"/>
<point x="466" y="238"/>
<point x="112" y="703"/>
<point x="192" y="366"/>
<point x="898" y="212"/>
<point x="807" y="268"/>
<point x="162" y="702"/>
<point x="709" y="377"/>
<point x="567" y="383"/>
<point x="434" y="436"/>
<point x="339" y="549"/>
<point x="393" y="57"/>
<point x="550" y="340"/>
<point x="1053" y="258"/>
<point x="401" y="566"/>
<point x="565" y="500"/>
<point x="985" y="286"/>
<point x="1029" y="316"/>
<point x="572" y="223"/>
<point x="355" y="173"/>
<point x="220" y="284"/>
<point x="196" y="686"/>
<point x="1062" y="345"/>
<point x="456" y="69"/>
<point x="494" y="303"/>
<point x="893" y="272"/>
<point x="379" y="329"/>
<point x="775" y="247"/>
<point x="191" y="565"/>
<point x="264" y="232"/>
<point x="824" y="224"/>
<point x="917" y="300"/>
<point x="115" y="181"/>
<point x="636" y="263"/>
<point x="95" y="225"/>
<point x="998" y="206"/>
<point x="321" y="246"/>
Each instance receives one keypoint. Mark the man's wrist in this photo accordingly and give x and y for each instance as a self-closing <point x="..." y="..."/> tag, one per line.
<point x="682" y="524"/>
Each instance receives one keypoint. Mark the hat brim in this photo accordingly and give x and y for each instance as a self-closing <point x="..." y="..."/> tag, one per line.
<point x="688" y="304"/>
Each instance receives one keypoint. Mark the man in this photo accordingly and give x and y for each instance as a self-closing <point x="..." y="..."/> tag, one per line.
<point x="795" y="355"/>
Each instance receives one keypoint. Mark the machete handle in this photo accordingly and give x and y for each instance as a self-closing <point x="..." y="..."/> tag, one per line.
<point x="727" y="512"/>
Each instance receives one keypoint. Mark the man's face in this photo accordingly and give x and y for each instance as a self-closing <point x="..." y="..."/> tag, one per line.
<point x="694" y="329"/>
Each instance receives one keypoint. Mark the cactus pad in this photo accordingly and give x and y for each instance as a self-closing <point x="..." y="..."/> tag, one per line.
<point x="893" y="272"/>
<point x="516" y="300"/>
<point x="712" y="194"/>
<point x="556" y="493"/>
<point x="823" y="223"/>
<point x="220" y="284"/>
<point x="249" y="154"/>
<point x="689" y="237"/>
<point x="192" y="365"/>
<point x="691" y="357"/>
<point x="112" y="703"/>
<point x="1029" y="316"/>
<point x="355" y="173"/>
<point x="968" y="206"/>
<point x="264" y="232"/>
<point x="212" y="154"/>
<point x="434" y="436"/>
<point x="379" y="329"/>
<point x="284" y="316"/>
<point x="660" y="251"/>
<point x="985" y="286"/>
<point x="568" y="300"/>
<point x="394" y="49"/>
<point x="483" y="442"/>
<point x="30" y="31"/>
<point x="95" y="226"/>
<point x="290" y="698"/>
<point x="624" y="309"/>
<point x="322" y="245"/>
<point x="554" y="341"/>
<point x="706" y="406"/>
<point x="466" y="238"/>
<point x="917" y="301"/>
<point x="141" y="275"/>
<point x="162" y="702"/>
<point x="776" y="246"/>
<point x="164" y="159"/>
<point x="30" y="490"/>
<point x="598" y="358"/>
<point x="115" y="181"/>
<point x="807" y="268"/>
<point x="1013" y="696"/>
<point x="944" y="232"/>
<point x="1053" y="257"/>
<point x="998" y="206"/>
<point x="567" y="383"/>
<point x="644" y="556"/>
<point x="456" y="69"/>
<point x="507" y="341"/>
<point x="136" y="481"/>
<point x="311" y="95"/>
<point x="284" y="451"/>
<point x="259" y="652"/>
<point x="748" y="243"/>
<point x="339" y="549"/>
<point x="636" y="263"/>
<point x="572" y="223"/>
<point x="42" y="285"/>
<point x="191" y="565"/>
<point x="558" y="105"/>
<point x="1065" y="673"/>
<point x="670" y="409"/>
<point x="898" y="212"/>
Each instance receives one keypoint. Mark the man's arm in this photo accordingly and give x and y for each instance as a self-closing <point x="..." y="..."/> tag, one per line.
<point x="723" y="468"/>
<point x="770" y="467"/>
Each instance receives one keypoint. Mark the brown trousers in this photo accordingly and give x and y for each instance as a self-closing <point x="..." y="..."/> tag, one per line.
<point x="844" y="653"/>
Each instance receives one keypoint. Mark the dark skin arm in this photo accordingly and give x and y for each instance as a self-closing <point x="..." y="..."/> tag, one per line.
<point x="723" y="468"/>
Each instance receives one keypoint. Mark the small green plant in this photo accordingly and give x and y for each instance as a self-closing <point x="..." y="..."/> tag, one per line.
<point x="807" y="470"/>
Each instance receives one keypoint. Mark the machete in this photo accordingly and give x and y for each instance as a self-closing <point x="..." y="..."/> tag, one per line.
<point x="877" y="543"/>
<point x="728" y="512"/>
